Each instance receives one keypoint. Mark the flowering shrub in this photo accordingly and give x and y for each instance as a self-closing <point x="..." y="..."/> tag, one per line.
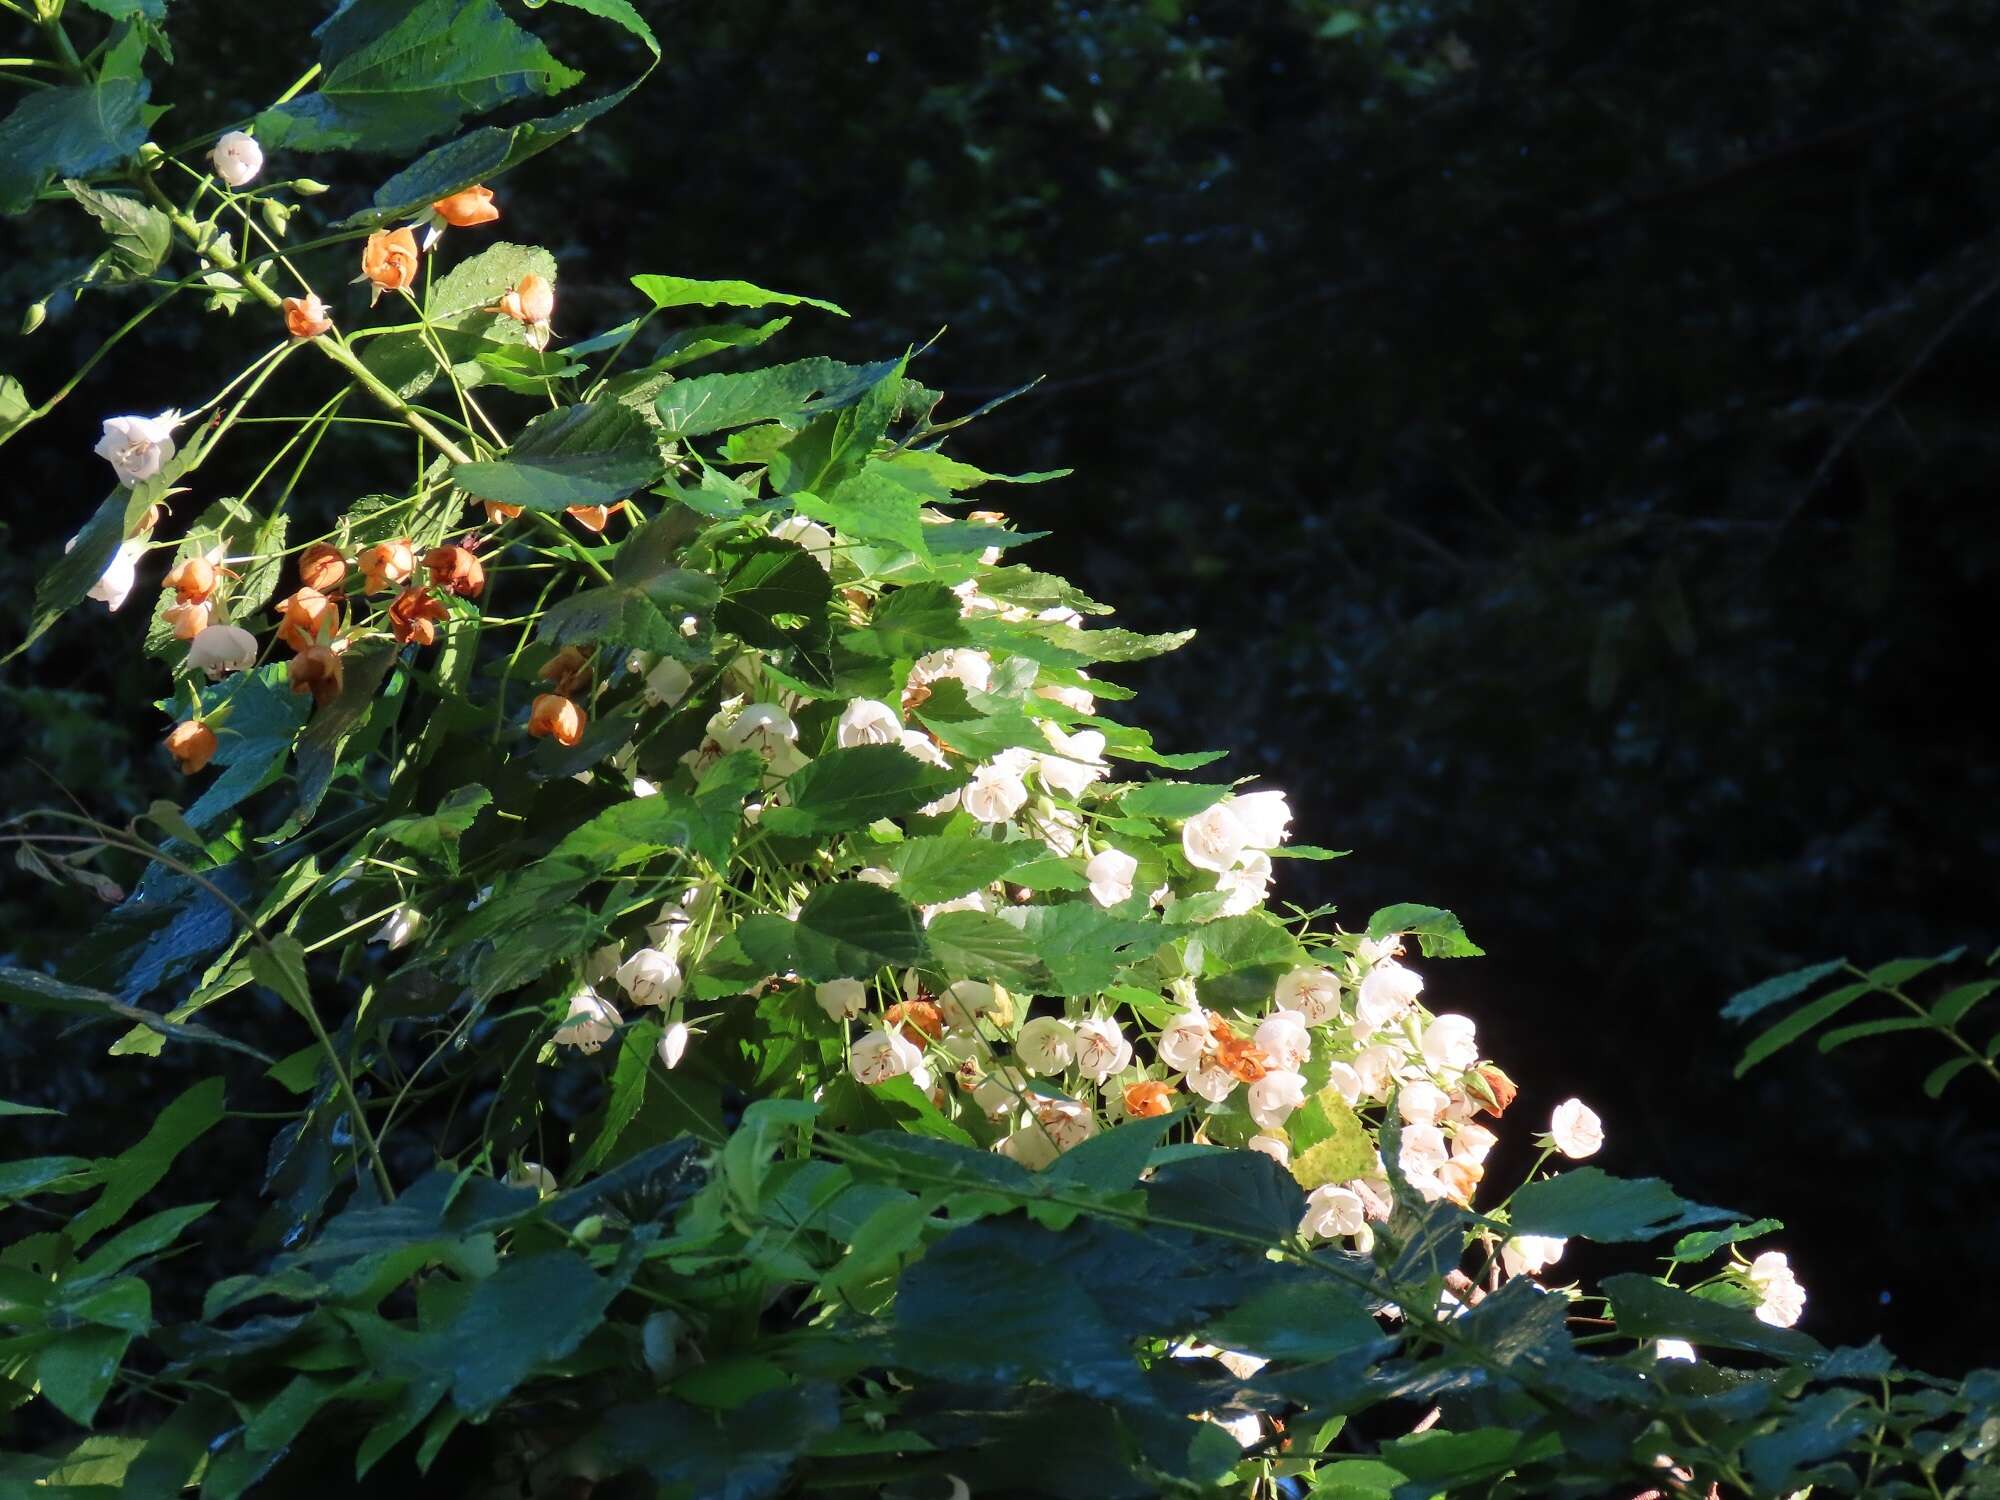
<point x="762" y="1024"/>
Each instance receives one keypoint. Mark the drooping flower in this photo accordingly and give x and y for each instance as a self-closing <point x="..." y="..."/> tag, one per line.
<point x="1473" y="1143"/>
<point x="1246" y="884"/>
<point x="237" y="158"/>
<point x="1184" y="1040"/>
<point x="592" y="518"/>
<point x="1077" y="759"/>
<point x="415" y="615"/>
<point x="1576" y="1130"/>
<point x="1284" y="1039"/>
<point x="466" y="207"/>
<point x="1451" y="1043"/>
<point x="1344" y="1081"/>
<point x="867" y="722"/>
<point x="673" y="1045"/>
<point x="386" y="564"/>
<point x="1212" y="839"/>
<point x="841" y="999"/>
<point x="1101" y="1049"/>
<point x="995" y="793"/>
<point x="1387" y="991"/>
<point x="568" y="672"/>
<point x="321" y="567"/>
<point x="390" y="260"/>
<point x="186" y="620"/>
<point x="1148" y="1099"/>
<point x="809" y="534"/>
<point x="881" y="1055"/>
<point x="498" y="511"/>
<point x="554" y="716"/>
<point x="650" y="977"/>
<point x="1238" y="1056"/>
<point x="306" y="317"/>
<point x="1528" y="1254"/>
<point x="973" y="669"/>
<point x="1214" y="1084"/>
<point x="1421" y="1103"/>
<point x="762" y="727"/>
<point x="532" y="302"/>
<point x="1332" y="1210"/>
<point x="316" y="670"/>
<point x="1264" y="817"/>
<point x="1068" y="1123"/>
<point x="192" y="579"/>
<point x="190" y="744"/>
<point x="1782" y="1300"/>
<point x="920" y="745"/>
<point x="1046" y="1045"/>
<point x="456" y="570"/>
<point x="222" y="649"/>
<point x="1273" y="1097"/>
<point x="399" y="929"/>
<point x="1375" y="1067"/>
<point x="1423" y="1152"/>
<point x="1491" y="1089"/>
<point x="114" y="584"/>
<point x="1271" y="1146"/>
<point x="591" y="1022"/>
<point x="137" y="448"/>
<point x="1110" y="873"/>
<point x="919" y="1020"/>
<point x="966" y="1002"/>
<point x="1313" y="993"/>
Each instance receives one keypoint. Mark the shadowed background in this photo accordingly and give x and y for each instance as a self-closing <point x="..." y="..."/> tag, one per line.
<point x="1569" y="429"/>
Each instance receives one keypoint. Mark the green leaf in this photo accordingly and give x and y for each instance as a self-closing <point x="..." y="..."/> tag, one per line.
<point x="1799" y="1022"/>
<point x="1940" y="1077"/>
<point x="1953" y="1006"/>
<point x="155" y="1232"/>
<point x="140" y="234"/>
<point x="678" y="291"/>
<point x="460" y="307"/>
<point x="1761" y="997"/>
<point x="36" y="1174"/>
<point x="132" y="1174"/>
<point x="710" y="403"/>
<point x="1437" y="931"/>
<point x="75" y="1373"/>
<point x="1840" y="1036"/>
<point x="264" y="719"/>
<point x="34" y="991"/>
<point x="280" y="966"/>
<point x="396" y="75"/>
<point x="768" y="580"/>
<point x="476" y="157"/>
<point x="1171" y="799"/>
<point x="848" y="929"/>
<point x="1244" y="1191"/>
<point x="595" y="453"/>
<point x="1644" y="1309"/>
<point x="1082" y="947"/>
<point x="1329" y="1142"/>
<point x="69" y="577"/>
<point x="976" y="945"/>
<point x="1697" y="1247"/>
<point x="367" y="663"/>
<point x="71" y="131"/>
<point x="944" y="867"/>
<point x="1611" y="1210"/>
<point x="850" y="788"/>
<point x="1900" y="971"/>
<point x="8" y="1107"/>
<point x="955" y="475"/>
<point x="870" y="506"/>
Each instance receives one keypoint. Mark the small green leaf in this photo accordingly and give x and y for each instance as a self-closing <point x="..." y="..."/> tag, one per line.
<point x="140" y="234"/>
<point x="1611" y="1210"/>
<point x="850" y="788"/>
<point x="1761" y="997"/>
<point x="1171" y="799"/>
<point x="1437" y="931"/>
<point x="1941" y="1076"/>
<point x="595" y="453"/>
<point x="1799" y="1022"/>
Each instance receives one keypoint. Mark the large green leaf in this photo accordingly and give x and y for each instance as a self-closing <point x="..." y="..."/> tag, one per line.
<point x="946" y="866"/>
<point x="396" y="75"/>
<point x="1585" y="1201"/>
<point x="1437" y="931"/>
<point x="774" y="595"/>
<point x="252" y="740"/>
<point x="870" y="506"/>
<point x="132" y="1174"/>
<point x="1645" y="1309"/>
<point x="710" y="403"/>
<point x="852" y="787"/>
<point x="140" y="234"/>
<point x="594" y="453"/>
<point x="70" y="131"/>
<point x="848" y="929"/>
<point x="1083" y="947"/>
<point x="978" y="945"/>
<point x="34" y="991"/>
<point x="76" y="1372"/>
<point x="678" y="291"/>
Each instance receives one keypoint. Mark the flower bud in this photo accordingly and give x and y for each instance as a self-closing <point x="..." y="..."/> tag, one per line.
<point x="316" y="670"/>
<point x="1491" y="1089"/>
<point x="496" y="512"/>
<point x="222" y="649"/>
<point x="306" y="317"/>
<point x="456" y="570"/>
<point x="386" y="564"/>
<point x="919" y="1019"/>
<point x="554" y="715"/>
<point x="237" y="158"/>
<point x="467" y="207"/>
<point x="34" y="317"/>
<point x="322" y="567"/>
<point x="191" y="745"/>
<point x="277" y="216"/>
<point x="308" y="187"/>
<point x="532" y="300"/>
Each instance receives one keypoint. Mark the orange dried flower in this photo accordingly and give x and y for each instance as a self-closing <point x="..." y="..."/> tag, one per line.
<point x="307" y="618"/>
<point x="390" y="259"/>
<point x="1459" y="1178"/>
<point x="316" y="670"/>
<point x="568" y="672"/>
<point x="1148" y="1100"/>
<point x="191" y="745"/>
<point x="1240" y="1056"/>
<point x="188" y="620"/>
<point x="193" y="579"/>
<point x="919" y="1019"/>
<point x="456" y="570"/>
<point x="415" y="616"/>
<point x="1491" y="1089"/>
<point x="591" y="517"/>
<point x="386" y="564"/>
<point x="531" y="301"/>
<point x="555" y="715"/>
<point x="322" y="567"/>
<point x="467" y="207"/>
<point x="497" y="512"/>
<point x="306" y="317"/>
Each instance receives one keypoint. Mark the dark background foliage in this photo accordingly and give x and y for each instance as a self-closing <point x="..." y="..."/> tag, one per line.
<point x="1567" y="426"/>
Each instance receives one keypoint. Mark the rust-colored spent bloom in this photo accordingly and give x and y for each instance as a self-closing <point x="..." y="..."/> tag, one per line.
<point x="187" y="619"/>
<point x="193" y="579"/>
<point x="306" y="317"/>
<point x="467" y="207"/>
<point x="556" y="716"/>
<point x="496" y="512"/>
<point x="568" y="672"/>
<point x="307" y="618"/>
<point x="531" y="301"/>
<point x="1148" y="1100"/>
<point x="1241" y="1058"/>
<point x="390" y="259"/>
<point x="322" y="567"/>
<point x="415" y="616"/>
<point x="1490" y="1089"/>
<point x="386" y="564"/>
<point x="316" y="670"/>
<point x="591" y="517"/>
<point x="191" y="745"/>
<point x="919" y="1019"/>
<point x="456" y="570"/>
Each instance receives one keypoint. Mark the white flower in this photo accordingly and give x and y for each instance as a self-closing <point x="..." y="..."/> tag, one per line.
<point x="1575" y="1129"/>
<point x="137" y="448"/>
<point x="842" y="999"/>
<point x="1374" y="950"/>
<point x="1272" y="1147"/>
<point x="881" y="1055"/>
<point x="1213" y="1084"/>
<point x="1422" y="1102"/>
<point x="1673" y="1349"/>
<point x="401" y="927"/>
<point x="532" y="1174"/>
<point x="114" y="584"/>
<point x="668" y="682"/>
<point x="1473" y="1143"/>
<point x="1264" y="817"/>
<point x="1046" y="1045"/>
<point x="1110" y="873"/>
<point x="650" y="977"/>
<point x="1313" y="993"/>
<point x="1284" y="1039"/>
<point x="237" y="158"/>
<point x="1782" y="1300"/>
<point x="1424" y="1151"/>
<point x="1078" y="761"/>
<point x="1388" y="990"/>
<point x="1077" y="698"/>
<point x="1058" y="828"/>
<point x="673" y="1045"/>
<point x="1030" y="1146"/>
<point x="1344" y="1081"/>
<point x="915" y="742"/>
<point x="1273" y="1097"/>
<point x="1450" y="1043"/>
<point x="1332" y="1210"/>
<point x="1526" y="1254"/>
<point x="1101" y="1049"/>
<point x="810" y="535"/>
<point x="1248" y="1429"/>
<point x="1185" y="1039"/>
<point x="222" y="649"/>
<point x="763" y="727"/>
<point x="999" y="1091"/>
<point x="867" y="722"/>
<point x="1245" y="885"/>
<point x="1067" y="1122"/>
<point x="966" y="1001"/>
<point x="591" y="1022"/>
<point x="1376" y="1069"/>
<point x="958" y="663"/>
<point x="995" y="793"/>
<point x="1212" y="840"/>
